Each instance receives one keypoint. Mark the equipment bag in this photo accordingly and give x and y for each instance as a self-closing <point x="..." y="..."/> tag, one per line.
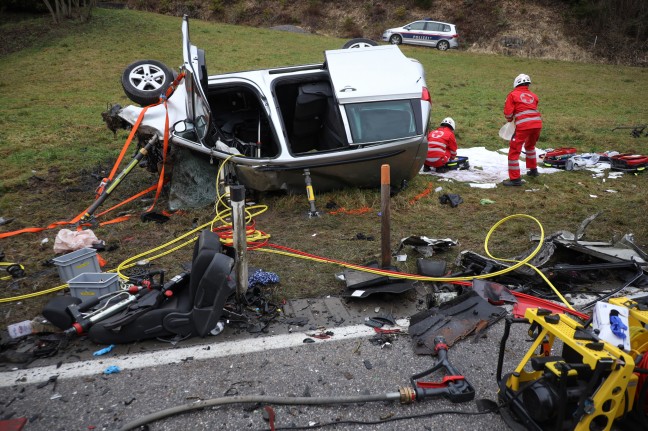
<point x="558" y="158"/>
<point x="629" y="162"/>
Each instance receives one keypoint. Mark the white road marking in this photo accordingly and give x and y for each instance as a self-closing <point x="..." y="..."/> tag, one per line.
<point x="163" y="357"/>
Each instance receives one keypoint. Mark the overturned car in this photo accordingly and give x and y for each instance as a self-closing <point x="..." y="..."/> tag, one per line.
<point x="339" y="120"/>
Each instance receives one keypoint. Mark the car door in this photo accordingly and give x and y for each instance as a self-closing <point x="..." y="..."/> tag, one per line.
<point x="433" y="33"/>
<point x="195" y="70"/>
<point x="416" y="34"/>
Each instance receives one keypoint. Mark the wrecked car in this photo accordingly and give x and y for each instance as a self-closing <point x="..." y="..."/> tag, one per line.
<point x="341" y="120"/>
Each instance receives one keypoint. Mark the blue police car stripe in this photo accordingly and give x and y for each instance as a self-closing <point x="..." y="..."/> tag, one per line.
<point x="419" y="36"/>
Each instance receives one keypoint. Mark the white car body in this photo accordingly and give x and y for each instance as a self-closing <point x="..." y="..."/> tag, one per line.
<point x="441" y="35"/>
<point x="341" y="119"/>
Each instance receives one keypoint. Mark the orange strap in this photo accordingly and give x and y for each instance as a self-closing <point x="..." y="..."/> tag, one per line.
<point x="131" y="135"/>
<point x="165" y="147"/>
<point x="158" y="187"/>
<point x="358" y="211"/>
<point x="422" y="194"/>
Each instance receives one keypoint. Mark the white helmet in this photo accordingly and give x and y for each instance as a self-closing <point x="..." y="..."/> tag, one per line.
<point x="521" y="79"/>
<point x="448" y="122"/>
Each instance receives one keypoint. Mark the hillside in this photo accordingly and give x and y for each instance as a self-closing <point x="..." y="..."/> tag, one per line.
<point x="573" y="30"/>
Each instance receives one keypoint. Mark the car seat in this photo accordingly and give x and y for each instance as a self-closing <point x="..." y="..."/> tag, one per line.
<point x="194" y="308"/>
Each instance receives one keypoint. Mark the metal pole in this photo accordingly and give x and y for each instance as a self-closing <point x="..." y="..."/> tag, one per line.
<point x="240" y="239"/>
<point x="310" y="195"/>
<point x="385" y="215"/>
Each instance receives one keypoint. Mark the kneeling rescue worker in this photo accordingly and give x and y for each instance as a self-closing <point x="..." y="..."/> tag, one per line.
<point x="442" y="144"/>
<point x="521" y="106"/>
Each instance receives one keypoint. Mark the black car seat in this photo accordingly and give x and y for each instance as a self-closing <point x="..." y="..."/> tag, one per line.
<point x="194" y="309"/>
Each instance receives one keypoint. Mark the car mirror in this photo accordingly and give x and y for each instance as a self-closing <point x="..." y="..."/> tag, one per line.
<point x="180" y="127"/>
<point x="407" y="27"/>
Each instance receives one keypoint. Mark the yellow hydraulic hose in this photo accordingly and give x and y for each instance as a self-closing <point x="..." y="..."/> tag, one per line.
<point x="449" y="279"/>
<point x="256" y="236"/>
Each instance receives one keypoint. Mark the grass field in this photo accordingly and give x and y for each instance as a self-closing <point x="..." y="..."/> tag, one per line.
<point x="52" y="137"/>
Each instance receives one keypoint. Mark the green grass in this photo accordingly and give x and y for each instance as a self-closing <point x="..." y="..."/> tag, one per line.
<point x="54" y="90"/>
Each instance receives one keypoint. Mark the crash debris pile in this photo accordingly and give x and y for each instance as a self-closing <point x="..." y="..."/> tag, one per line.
<point x="459" y="303"/>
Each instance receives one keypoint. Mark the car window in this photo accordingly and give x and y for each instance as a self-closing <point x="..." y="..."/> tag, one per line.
<point x="418" y="25"/>
<point x="433" y="26"/>
<point x="381" y="121"/>
<point x="446" y="28"/>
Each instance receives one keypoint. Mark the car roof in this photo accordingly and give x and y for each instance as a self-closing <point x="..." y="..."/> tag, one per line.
<point x="432" y="20"/>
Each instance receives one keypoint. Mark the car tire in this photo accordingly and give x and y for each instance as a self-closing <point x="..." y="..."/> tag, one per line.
<point x="396" y="39"/>
<point x="443" y="45"/>
<point x="145" y="80"/>
<point x="359" y="43"/>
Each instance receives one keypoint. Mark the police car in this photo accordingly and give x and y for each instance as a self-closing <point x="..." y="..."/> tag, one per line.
<point x="426" y="32"/>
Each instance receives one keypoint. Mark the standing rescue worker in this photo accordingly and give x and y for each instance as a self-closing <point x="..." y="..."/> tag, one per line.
<point x="442" y="144"/>
<point x="521" y="106"/>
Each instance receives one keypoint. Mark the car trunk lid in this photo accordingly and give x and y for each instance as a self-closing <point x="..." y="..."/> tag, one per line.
<point x="373" y="73"/>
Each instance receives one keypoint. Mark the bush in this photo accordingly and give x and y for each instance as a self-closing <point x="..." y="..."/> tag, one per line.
<point x="423" y="4"/>
<point x="400" y="13"/>
<point x="350" y="28"/>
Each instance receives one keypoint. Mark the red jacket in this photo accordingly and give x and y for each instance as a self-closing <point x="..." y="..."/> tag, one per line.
<point x="522" y="106"/>
<point x="441" y="145"/>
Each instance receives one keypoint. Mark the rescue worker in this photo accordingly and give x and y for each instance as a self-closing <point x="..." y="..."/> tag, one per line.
<point x="442" y="145"/>
<point x="521" y="106"/>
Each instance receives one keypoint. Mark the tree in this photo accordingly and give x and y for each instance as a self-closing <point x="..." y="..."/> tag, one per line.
<point x="79" y="9"/>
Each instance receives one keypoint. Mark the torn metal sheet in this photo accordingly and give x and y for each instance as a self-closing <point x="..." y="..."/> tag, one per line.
<point x="453" y="320"/>
<point x="355" y="279"/>
<point x="426" y="246"/>
<point x="624" y="250"/>
<point x="493" y="292"/>
<point x="542" y="257"/>
<point x="396" y="288"/>
<point x="581" y="229"/>
<point x="475" y="263"/>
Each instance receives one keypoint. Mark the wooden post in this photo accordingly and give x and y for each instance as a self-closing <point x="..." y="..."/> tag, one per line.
<point x="385" y="215"/>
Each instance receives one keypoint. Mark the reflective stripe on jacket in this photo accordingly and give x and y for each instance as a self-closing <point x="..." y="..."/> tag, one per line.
<point x="521" y="106"/>
<point x="441" y="142"/>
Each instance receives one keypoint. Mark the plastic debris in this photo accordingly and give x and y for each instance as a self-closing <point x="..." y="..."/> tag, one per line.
<point x="104" y="350"/>
<point x="486" y="201"/>
<point x="617" y="326"/>
<point x="20" y="329"/>
<point x="68" y="240"/>
<point x="113" y="369"/>
<point x="218" y="328"/>
<point x="452" y="199"/>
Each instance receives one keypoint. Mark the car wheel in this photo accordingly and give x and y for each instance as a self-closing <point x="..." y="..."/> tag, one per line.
<point x="443" y="45"/>
<point x="145" y="80"/>
<point x="396" y="39"/>
<point x="359" y="43"/>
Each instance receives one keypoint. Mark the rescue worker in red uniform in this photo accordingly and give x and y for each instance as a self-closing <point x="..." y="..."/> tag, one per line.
<point x="522" y="107"/>
<point x="442" y="144"/>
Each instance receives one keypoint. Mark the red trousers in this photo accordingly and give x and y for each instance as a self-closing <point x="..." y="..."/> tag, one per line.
<point x="528" y="139"/>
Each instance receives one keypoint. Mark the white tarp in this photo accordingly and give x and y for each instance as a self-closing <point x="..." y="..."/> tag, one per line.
<point x="490" y="167"/>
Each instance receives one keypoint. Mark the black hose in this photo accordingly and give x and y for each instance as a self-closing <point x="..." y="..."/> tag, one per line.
<point x="637" y="276"/>
<point x="258" y="399"/>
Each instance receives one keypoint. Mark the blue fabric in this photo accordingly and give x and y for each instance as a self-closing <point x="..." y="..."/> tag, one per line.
<point x="263" y="278"/>
<point x="112" y="369"/>
<point x="104" y="350"/>
<point x="617" y="326"/>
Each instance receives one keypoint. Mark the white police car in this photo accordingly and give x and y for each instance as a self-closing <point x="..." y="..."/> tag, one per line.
<point x="426" y="32"/>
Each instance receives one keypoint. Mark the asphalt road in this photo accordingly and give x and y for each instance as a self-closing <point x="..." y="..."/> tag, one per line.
<point x="156" y="376"/>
